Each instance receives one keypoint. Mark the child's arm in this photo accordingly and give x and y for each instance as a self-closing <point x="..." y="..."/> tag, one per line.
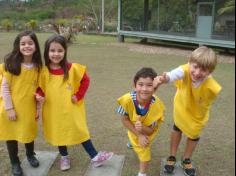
<point x="84" y="84"/>
<point x="39" y="96"/>
<point x="6" y="96"/>
<point x="167" y="77"/>
<point x="143" y="139"/>
<point x="146" y="130"/>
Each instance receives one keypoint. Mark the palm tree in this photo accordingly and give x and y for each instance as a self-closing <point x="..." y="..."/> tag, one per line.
<point x="229" y="6"/>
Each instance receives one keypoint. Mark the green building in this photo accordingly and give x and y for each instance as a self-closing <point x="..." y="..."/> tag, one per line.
<point x="189" y="21"/>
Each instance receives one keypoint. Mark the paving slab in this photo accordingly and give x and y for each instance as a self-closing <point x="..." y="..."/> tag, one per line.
<point x="46" y="159"/>
<point x="112" y="167"/>
<point x="178" y="171"/>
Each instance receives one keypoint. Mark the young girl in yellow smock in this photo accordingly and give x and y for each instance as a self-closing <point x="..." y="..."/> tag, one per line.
<point x="62" y="87"/>
<point x="18" y="105"/>
<point x="196" y="91"/>
<point x="142" y="113"/>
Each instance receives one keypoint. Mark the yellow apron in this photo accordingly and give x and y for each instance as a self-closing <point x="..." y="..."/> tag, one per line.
<point x="22" y="88"/>
<point x="192" y="105"/>
<point x="154" y="114"/>
<point x="64" y="123"/>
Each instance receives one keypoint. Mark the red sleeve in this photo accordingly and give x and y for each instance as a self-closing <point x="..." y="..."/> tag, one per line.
<point x="84" y="84"/>
<point x="40" y="92"/>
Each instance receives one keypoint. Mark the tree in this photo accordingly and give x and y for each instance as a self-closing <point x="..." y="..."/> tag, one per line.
<point x="32" y="24"/>
<point x="229" y="6"/>
<point x="7" y="24"/>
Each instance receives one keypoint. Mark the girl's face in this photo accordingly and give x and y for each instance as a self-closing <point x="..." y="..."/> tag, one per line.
<point x="144" y="89"/>
<point x="56" y="53"/>
<point x="197" y="73"/>
<point x="27" y="46"/>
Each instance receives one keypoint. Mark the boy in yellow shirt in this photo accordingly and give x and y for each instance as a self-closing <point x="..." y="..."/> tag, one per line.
<point x="196" y="91"/>
<point x="142" y="113"/>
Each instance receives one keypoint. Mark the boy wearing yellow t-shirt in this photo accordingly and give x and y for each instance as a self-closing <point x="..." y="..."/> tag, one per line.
<point x="142" y="113"/>
<point x="196" y="91"/>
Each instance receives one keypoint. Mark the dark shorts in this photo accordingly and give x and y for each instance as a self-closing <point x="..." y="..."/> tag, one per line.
<point x="175" y="128"/>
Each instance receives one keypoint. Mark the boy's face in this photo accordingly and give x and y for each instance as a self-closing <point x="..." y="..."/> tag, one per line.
<point x="144" y="89"/>
<point x="197" y="73"/>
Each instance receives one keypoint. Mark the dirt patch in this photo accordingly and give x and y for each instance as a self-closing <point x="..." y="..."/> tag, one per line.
<point x="149" y="49"/>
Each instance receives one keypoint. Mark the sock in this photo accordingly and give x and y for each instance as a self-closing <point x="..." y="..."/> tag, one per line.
<point x="141" y="174"/>
<point x="95" y="158"/>
<point x="62" y="157"/>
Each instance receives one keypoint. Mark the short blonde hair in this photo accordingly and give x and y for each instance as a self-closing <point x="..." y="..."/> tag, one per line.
<point x="205" y="57"/>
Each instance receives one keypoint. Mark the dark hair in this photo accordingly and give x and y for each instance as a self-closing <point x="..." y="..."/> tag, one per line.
<point x="62" y="41"/>
<point x="14" y="59"/>
<point x="145" y="72"/>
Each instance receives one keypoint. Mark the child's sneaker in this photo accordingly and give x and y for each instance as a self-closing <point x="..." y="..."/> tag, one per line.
<point x="100" y="158"/>
<point x="188" y="167"/>
<point x="64" y="163"/>
<point x="170" y="165"/>
<point x="129" y="145"/>
<point x="140" y="174"/>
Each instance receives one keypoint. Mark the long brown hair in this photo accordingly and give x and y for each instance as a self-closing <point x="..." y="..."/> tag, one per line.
<point x="14" y="59"/>
<point x="62" y="41"/>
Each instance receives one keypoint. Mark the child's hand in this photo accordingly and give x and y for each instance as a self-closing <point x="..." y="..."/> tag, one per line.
<point x="164" y="78"/>
<point x="160" y="80"/>
<point x="138" y="124"/>
<point x="38" y="112"/>
<point x="74" y="99"/>
<point x="11" y="113"/>
<point x="157" y="82"/>
<point x="39" y="98"/>
<point x="143" y="140"/>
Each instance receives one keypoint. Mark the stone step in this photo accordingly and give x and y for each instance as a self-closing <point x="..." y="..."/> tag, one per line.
<point x="46" y="160"/>
<point x="112" y="167"/>
<point x="178" y="171"/>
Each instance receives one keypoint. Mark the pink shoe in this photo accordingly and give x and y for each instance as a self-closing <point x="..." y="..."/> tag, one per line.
<point x="64" y="163"/>
<point x="100" y="158"/>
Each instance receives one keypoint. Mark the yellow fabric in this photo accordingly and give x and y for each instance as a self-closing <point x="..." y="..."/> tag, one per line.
<point x="64" y="123"/>
<point x="154" y="114"/>
<point x="22" y="88"/>
<point x="1" y="74"/>
<point x="192" y="105"/>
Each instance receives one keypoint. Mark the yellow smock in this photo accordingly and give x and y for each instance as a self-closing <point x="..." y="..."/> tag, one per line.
<point x="22" y="88"/>
<point x="64" y="123"/>
<point x="154" y="114"/>
<point x="1" y="74"/>
<point x="192" y="105"/>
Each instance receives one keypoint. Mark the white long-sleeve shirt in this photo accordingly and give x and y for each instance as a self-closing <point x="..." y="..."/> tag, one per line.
<point x="5" y="89"/>
<point x="178" y="73"/>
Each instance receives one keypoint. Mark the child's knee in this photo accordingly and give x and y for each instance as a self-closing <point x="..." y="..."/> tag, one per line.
<point x="176" y="129"/>
<point x="195" y="139"/>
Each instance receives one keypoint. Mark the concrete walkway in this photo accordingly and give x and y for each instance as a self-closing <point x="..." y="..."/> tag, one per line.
<point x="177" y="172"/>
<point x="113" y="167"/>
<point x="46" y="159"/>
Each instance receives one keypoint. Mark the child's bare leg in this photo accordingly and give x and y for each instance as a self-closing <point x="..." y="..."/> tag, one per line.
<point x="174" y="143"/>
<point x="190" y="146"/>
<point x="143" y="167"/>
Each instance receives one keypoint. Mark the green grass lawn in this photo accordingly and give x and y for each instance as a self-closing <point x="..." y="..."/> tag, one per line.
<point x="111" y="67"/>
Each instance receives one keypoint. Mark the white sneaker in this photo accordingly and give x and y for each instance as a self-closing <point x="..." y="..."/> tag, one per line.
<point x="64" y="163"/>
<point x="100" y="158"/>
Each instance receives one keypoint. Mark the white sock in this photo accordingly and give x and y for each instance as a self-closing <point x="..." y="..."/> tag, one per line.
<point x="95" y="158"/>
<point x="64" y="156"/>
<point x="141" y="174"/>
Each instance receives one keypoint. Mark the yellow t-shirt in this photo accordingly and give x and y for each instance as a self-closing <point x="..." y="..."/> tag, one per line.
<point x="154" y="114"/>
<point x="192" y="105"/>
<point x="64" y="123"/>
<point x="22" y="88"/>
